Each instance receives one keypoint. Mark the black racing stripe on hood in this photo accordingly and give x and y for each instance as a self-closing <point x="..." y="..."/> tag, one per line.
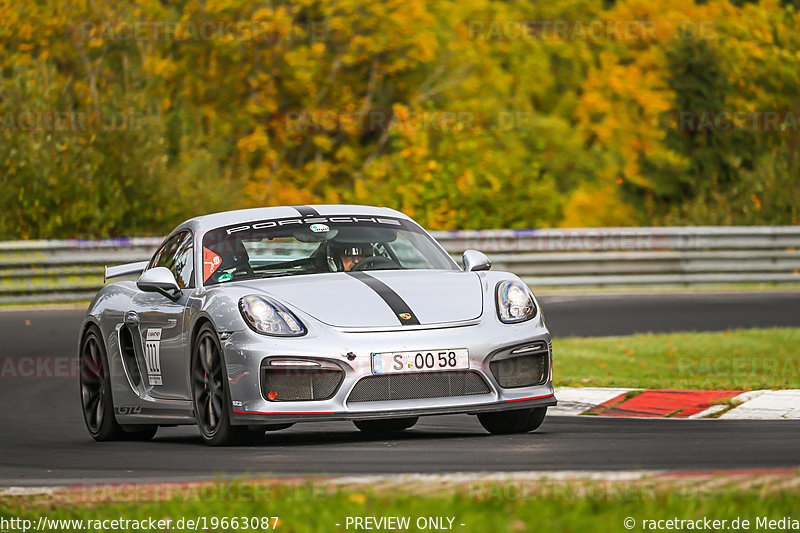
<point x="393" y="300"/>
<point x="306" y="211"/>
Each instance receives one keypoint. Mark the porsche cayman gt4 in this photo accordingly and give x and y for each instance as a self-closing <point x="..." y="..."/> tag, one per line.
<point x="254" y="320"/>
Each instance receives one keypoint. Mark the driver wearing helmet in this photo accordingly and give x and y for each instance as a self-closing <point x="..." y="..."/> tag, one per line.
<point x="351" y="254"/>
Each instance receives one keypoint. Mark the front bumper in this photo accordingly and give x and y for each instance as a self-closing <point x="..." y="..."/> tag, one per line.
<point x="247" y="417"/>
<point x="245" y="351"/>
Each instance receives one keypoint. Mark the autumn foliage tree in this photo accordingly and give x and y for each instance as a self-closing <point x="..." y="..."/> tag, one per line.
<point x="121" y="118"/>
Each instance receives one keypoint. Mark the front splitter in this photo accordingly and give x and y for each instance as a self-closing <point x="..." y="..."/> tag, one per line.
<point x="260" y="417"/>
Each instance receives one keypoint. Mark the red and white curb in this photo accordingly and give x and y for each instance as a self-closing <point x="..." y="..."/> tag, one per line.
<point x="651" y="403"/>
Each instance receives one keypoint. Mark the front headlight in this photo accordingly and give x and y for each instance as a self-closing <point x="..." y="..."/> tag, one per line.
<point x="514" y="302"/>
<point x="269" y="317"/>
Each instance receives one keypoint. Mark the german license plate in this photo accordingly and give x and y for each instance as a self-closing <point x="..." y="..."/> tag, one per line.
<point x="420" y="361"/>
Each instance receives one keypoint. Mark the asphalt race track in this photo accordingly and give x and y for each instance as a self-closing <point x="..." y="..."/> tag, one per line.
<point x="43" y="440"/>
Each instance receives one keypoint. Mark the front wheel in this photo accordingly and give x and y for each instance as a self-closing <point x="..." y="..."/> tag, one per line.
<point x="96" y="400"/>
<point x="385" y="426"/>
<point x="95" y="381"/>
<point x="210" y="397"/>
<point x="518" y="421"/>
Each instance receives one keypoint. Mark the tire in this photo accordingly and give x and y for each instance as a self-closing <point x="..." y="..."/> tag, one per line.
<point x="95" y="387"/>
<point x="97" y="402"/>
<point x="210" y="397"/>
<point x="518" y="421"/>
<point x="385" y="426"/>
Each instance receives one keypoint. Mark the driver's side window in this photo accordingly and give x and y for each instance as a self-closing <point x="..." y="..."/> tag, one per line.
<point x="177" y="255"/>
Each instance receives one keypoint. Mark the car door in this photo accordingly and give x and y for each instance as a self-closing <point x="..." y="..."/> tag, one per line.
<point x="162" y="322"/>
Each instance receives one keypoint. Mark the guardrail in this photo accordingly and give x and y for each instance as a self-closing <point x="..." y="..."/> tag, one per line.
<point x="596" y="257"/>
<point x="601" y="257"/>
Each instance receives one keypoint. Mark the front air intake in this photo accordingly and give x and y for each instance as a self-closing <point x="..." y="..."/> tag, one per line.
<point x="289" y="384"/>
<point x="521" y="368"/>
<point x="128" y="356"/>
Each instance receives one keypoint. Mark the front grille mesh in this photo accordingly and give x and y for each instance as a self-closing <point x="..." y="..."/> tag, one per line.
<point x="301" y="384"/>
<point x="418" y="386"/>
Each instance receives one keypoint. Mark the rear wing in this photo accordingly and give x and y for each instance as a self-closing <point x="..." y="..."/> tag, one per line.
<point x="124" y="270"/>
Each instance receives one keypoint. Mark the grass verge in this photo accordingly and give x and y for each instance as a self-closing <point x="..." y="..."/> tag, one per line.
<point x="514" y="506"/>
<point x="730" y="360"/>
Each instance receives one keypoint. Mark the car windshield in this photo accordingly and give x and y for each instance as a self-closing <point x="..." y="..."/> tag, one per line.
<point x="287" y="247"/>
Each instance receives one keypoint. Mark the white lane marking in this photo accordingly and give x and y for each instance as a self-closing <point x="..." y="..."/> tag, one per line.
<point x="714" y="409"/>
<point x="29" y="491"/>
<point x="462" y="477"/>
<point x="769" y="405"/>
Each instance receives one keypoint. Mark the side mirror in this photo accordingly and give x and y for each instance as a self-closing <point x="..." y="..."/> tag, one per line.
<point x="161" y="280"/>
<point x="474" y="260"/>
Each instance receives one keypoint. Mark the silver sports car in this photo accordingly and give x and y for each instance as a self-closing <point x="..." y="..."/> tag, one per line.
<point x="249" y="321"/>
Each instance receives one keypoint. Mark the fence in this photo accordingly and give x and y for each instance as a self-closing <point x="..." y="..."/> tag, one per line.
<point x="597" y="257"/>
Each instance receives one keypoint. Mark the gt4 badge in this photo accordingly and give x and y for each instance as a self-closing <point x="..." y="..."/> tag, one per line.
<point x="152" y="356"/>
<point x="128" y="410"/>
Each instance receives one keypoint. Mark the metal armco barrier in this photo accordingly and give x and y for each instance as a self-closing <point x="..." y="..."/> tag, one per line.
<point x="592" y="257"/>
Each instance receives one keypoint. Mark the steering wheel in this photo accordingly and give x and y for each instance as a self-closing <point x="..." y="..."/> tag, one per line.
<point x="375" y="261"/>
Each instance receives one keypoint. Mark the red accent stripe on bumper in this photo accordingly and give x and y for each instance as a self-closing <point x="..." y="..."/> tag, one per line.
<point x="284" y="413"/>
<point x="531" y="398"/>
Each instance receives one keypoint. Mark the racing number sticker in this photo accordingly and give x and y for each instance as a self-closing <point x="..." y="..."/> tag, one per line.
<point x="152" y="356"/>
<point x="211" y="263"/>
